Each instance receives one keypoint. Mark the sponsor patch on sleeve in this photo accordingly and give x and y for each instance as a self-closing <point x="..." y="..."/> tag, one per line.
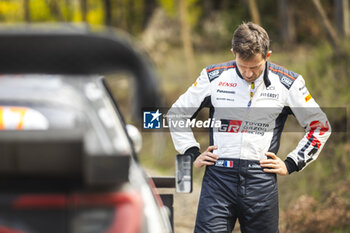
<point x="213" y="74"/>
<point x="287" y="82"/>
<point x="308" y="97"/>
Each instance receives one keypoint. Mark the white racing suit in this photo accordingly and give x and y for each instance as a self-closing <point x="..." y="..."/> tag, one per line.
<point x="250" y="127"/>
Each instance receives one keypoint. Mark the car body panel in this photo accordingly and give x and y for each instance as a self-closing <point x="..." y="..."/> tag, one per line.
<point x="67" y="162"/>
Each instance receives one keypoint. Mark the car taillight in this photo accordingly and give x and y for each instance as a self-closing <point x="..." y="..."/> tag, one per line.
<point x="127" y="207"/>
<point x="128" y="212"/>
<point x="8" y="230"/>
<point x="40" y="201"/>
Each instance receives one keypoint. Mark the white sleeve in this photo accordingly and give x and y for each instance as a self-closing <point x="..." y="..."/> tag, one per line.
<point x="313" y="119"/>
<point x="184" y="108"/>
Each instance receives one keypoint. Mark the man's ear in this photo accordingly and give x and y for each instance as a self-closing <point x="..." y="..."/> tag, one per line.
<point x="268" y="54"/>
<point x="233" y="52"/>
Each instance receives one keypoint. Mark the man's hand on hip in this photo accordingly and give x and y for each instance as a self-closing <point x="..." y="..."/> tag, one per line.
<point x="274" y="165"/>
<point x="206" y="158"/>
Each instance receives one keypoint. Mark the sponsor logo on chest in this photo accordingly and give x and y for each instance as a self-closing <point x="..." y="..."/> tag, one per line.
<point x="227" y="84"/>
<point x="269" y="95"/>
<point x="236" y="126"/>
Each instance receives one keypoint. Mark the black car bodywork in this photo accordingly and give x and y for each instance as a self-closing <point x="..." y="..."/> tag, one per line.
<point x="67" y="163"/>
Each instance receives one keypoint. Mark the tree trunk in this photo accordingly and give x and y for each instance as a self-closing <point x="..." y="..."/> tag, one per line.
<point x="55" y="10"/>
<point x="108" y="12"/>
<point x="83" y="9"/>
<point x="208" y="6"/>
<point x="26" y="11"/>
<point x="287" y="28"/>
<point x="254" y="11"/>
<point x="342" y="17"/>
<point x="69" y="10"/>
<point x="330" y="32"/>
<point x="186" y="38"/>
<point x="117" y="16"/>
<point x="150" y="6"/>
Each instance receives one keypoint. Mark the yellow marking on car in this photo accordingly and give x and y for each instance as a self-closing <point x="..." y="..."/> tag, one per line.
<point x="12" y="115"/>
<point x="21" y="112"/>
<point x="1" y="119"/>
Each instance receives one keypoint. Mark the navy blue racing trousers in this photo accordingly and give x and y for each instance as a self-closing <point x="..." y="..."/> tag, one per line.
<point x="239" y="190"/>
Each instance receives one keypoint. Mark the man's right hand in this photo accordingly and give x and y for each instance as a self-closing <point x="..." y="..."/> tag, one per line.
<point x="206" y="158"/>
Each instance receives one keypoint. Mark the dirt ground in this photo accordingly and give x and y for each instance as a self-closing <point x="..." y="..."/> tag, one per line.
<point x="185" y="208"/>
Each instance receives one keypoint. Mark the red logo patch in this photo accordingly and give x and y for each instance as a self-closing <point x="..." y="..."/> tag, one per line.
<point x="314" y="126"/>
<point x="231" y="126"/>
<point x="226" y="84"/>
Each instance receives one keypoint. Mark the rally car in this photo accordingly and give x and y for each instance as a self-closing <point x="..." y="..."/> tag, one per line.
<point x="67" y="159"/>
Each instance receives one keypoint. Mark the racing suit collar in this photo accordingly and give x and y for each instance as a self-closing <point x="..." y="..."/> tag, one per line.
<point x="266" y="76"/>
<point x="260" y="78"/>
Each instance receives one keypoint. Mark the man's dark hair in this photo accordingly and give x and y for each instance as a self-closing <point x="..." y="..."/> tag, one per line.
<point x="250" y="39"/>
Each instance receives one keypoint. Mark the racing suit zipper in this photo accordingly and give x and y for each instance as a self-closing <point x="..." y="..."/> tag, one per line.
<point x="252" y="95"/>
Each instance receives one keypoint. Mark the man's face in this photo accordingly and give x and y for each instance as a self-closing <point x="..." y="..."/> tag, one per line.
<point x="251" y="68"/>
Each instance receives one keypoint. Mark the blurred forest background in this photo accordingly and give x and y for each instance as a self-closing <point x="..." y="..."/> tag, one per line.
<point x="181" y="37"/>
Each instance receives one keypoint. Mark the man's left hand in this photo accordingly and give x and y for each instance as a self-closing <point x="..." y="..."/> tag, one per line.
<point x="274" y="165"/>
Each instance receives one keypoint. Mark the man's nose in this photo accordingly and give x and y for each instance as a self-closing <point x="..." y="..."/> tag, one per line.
<point x="248" y="73"/>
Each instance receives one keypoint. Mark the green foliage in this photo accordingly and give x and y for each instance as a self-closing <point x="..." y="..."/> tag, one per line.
<point x="234" y="17"/>
<point x="194" y="12"/>
<point x="133" y="15"/>
<point x="65" y="10"/>
<point x="138" y="17"/>
<point x="39" y="11"/>
<point x="328" y="75"/>
<point x="10" y="11"/>
<point x="170" y="7"/>
<point x="95" y="14"/>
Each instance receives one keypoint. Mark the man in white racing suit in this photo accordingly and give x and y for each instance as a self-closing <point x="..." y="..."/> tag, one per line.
<point x="251" y="98"/>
